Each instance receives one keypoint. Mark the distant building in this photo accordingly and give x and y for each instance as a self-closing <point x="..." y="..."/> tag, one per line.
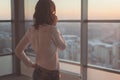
<point x="117" y="34"/>
<point x="72" y="51"/>
<point x="5" y="40"/>
<point x="116" y="55"/>
<point x="100" y="53"/>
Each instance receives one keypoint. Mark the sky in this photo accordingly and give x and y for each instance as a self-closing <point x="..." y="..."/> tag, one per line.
<point x="69" y="9"/>
<point x="104" y="9"/>
<point x="64" y="9"/>
<point x="5" y="11"/>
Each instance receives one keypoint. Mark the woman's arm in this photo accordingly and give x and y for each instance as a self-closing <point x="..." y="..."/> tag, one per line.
<point x="19" y="51"/>
<point x="58" y="39"/>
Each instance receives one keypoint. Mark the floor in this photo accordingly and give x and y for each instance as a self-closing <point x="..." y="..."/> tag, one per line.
<point x="14" y="77"/>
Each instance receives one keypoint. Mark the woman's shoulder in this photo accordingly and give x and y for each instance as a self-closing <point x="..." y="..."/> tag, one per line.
<point x="31" y="29"/>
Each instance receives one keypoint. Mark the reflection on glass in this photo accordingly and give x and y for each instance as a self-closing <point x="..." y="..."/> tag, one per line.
<point x="104" y="45"/>
<point x="71" y="34"/>
<point x="5" y="9"/>
<point x="5" y="38"/>
<point x="103" y="9"/>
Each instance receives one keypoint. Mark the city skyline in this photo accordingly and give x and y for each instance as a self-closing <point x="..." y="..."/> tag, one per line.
<point x="101" y="45"/>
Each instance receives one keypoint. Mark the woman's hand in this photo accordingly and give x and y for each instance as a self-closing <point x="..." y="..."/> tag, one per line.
<point x="34" y="65"/>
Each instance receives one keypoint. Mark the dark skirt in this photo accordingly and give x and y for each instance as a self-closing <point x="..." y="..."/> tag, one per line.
<point x="44" y="74"/>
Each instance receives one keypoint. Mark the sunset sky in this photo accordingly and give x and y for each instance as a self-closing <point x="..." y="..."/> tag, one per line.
<point x="104" y="9"/>
<point x="69" y="9"/>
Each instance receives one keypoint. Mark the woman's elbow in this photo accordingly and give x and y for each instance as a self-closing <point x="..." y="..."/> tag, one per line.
<point x="17" y="52"/>
<point x="62" y="47"/>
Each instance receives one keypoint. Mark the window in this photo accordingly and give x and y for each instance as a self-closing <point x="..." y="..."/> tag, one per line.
<point x="5" y="27"/>
<point x="70" y="30"/>
<point x="103" y="35"/>
<point x="103" y="39"/>
<point x="103" y="44"/>
<point x="5" y="38"/>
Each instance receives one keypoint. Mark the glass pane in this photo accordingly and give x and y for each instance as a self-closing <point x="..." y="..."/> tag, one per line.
<point x="5" y="9"/>
<point x="71" y="34"/>
<point x="5" y="38"/>
<point x="101" y="75"/>
<point x="29" y="9"/>
<point x="68" y="9"/>
<point x="104" y="45"/>
<point x="104" y="9"/>
<point x="63" y="10"/>
<point x="28" y="24"/>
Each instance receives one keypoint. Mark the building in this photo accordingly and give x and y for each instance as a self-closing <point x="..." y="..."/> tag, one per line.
<point x="116" y="55"/>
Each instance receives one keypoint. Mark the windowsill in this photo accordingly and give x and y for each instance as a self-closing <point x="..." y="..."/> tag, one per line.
<point x="70" y="68"/>
<point x="5" y="54"/>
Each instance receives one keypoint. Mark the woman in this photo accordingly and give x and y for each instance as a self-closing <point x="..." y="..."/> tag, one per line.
<point x="45" y="40"/>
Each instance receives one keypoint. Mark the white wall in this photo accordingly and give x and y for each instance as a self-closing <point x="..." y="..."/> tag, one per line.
<point x="5" y="65"/>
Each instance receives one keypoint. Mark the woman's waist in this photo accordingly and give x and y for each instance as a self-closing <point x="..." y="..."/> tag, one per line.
<point x="45" y="52"/>
<point x="49" y="64"/>
<point x="46" y="69"/>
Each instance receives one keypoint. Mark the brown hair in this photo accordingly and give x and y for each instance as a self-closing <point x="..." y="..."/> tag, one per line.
<point x="45" y="13"/>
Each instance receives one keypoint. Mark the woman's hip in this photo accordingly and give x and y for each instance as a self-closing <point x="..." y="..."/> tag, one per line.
<point x="41" y="73"/>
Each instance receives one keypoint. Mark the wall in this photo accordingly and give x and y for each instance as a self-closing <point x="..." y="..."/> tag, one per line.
<point x="5" y="65"/>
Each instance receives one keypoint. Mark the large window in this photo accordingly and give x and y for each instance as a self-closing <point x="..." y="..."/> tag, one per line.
<point x="5" y="38"/>
<point x="69" y="25"/>
<point x="103" y="39"/>
<point x="103" y="33"/>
